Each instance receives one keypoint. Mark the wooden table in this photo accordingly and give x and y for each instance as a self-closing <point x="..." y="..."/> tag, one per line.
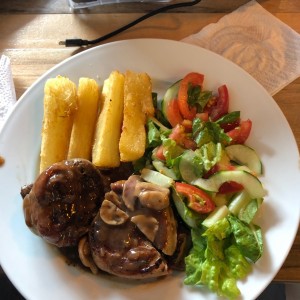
<point x="30" y="31"/>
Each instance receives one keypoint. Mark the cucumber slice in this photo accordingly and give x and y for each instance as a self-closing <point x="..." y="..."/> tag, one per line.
<point x="244" y="207"/>
<point x="170" y="94"/>
<point x="206" y="184"/>
<point x="239" y="201"/>
<point x="156" y="178"/>
<point x="216" y="215"/>
<point x="162" y="169"/>
<point x="250" y="183"/>
<point x="244" y="155"/>
<point x="221" y="199"/>
<point x="186" y="167"/>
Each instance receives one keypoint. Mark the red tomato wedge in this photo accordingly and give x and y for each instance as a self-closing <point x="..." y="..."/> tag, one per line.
<point x="230" y="187"/>
<point x="160" y="153"/>
<point x="240" y="134"/>
<point x="198" y="200"/>
<point x="181" y="138"/>
<point x="190" y="80"/>
<point x="203" y="116"/>
<point x="174" y="116"/>
<point x="220" y="108"/>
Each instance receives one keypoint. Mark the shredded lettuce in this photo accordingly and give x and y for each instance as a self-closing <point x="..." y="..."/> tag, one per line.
<point x="209" y="154"/>
<point x="153" y="135"/>
<point x="171" y="151"/>
<point x="205" y="132"/>
<point x="194" y="164"/>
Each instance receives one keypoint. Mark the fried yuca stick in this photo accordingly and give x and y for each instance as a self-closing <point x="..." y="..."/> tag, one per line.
<point x="85" y="118"/>
<point x="60" y="103"/>
<point x="137" y="105"/>
<point x="147" y="101"/>
<point x="106" y="144"/>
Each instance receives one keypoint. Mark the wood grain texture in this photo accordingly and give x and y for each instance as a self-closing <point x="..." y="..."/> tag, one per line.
<point x="30" y="31"/>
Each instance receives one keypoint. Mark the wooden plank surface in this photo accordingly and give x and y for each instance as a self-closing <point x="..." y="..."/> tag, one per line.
<point x="28" y="38"/>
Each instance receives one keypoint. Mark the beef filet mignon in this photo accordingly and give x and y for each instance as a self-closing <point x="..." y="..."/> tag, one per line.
<point x="63" y="201"/>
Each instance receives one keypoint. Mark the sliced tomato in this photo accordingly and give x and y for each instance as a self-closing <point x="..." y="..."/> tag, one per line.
<point x="173" y="114"/>
<point x="188" y="125"/>
<point x="203" y="116"/>
<point x="191" y="80"/>
<point x="181" y="138"/>
<point x="230" y="126"/>
<point x="159" y="154"/>
<point x="240" y="134"/>
<point x="220" y="166"/>
<point x="220" y="107"/>
<point x="213" y="170"/>
<point x="230" y="187"/>
<point x="198" y="200"/>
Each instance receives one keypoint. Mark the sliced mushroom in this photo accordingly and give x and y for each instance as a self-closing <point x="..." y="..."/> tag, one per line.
<point x="154" y="200"/>
<point x="111" y="214"/>
<point x="114" y="198"/>
<point x="147" y="225"/>
<point x="85" y="255"/>
<point x="118" y="186"/>
<point x="152" y="195"/>
<point x="129" y="195"/>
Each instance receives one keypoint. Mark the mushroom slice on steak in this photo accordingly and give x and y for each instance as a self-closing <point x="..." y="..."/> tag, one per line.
<point x="129" y="191"/>
<point x="111" y="214"/>
<point x="152" y="195"/>
<point x="147" y="225"/>
<point x="85" y="256"/>
<point x="63" y="201"/>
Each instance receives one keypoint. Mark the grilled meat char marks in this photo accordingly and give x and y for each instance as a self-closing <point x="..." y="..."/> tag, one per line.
<point x="63" y="201"/>
<point x="126" y="233"/>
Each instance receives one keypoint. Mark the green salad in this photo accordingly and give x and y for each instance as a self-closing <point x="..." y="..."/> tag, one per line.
<point x="196" y="147"/>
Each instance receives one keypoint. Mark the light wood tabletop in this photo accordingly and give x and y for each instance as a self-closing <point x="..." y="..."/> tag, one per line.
<point x="30" y="32"/>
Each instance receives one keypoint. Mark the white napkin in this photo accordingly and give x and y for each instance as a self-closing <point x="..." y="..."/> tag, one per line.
<point x="7" y="89"/>
<point x="257" y="41"/>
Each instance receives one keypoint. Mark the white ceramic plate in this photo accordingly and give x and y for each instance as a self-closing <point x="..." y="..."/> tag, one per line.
<point x="39" y="272"/>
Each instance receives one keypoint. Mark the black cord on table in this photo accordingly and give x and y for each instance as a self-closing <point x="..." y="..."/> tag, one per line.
<point x="81" y="42"/>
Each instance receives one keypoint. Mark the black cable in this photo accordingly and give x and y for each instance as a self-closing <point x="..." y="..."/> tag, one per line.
<point x="80" y="42"/>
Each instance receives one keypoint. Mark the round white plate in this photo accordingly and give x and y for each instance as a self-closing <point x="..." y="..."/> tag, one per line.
<point x="39" y="272"/>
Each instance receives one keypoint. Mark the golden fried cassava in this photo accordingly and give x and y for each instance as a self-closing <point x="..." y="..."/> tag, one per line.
<point x="105" y="151"/>
<point x="85" y="118"/>
<point x="60" y="103"/>
<point x="137" y="105"/>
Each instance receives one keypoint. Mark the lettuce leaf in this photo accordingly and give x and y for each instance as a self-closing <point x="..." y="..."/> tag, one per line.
<point x="216" y="259"/>
<point x="195" y="259"/>
<point x="248" y="238"/>
<point x="153" y="135"/>
<point x="250" y="210"/>
<point x="205" y="132"/>
<point x="209" y="154"/>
